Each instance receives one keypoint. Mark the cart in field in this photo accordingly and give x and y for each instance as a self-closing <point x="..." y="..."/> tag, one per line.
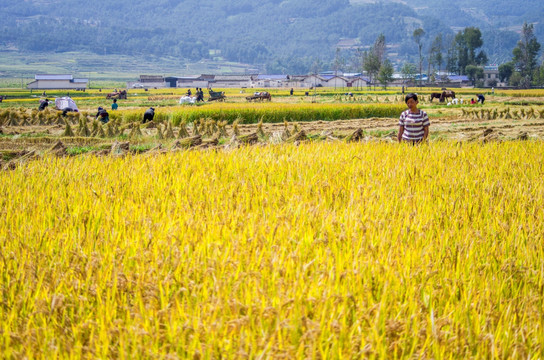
<point x="217" y="95"/>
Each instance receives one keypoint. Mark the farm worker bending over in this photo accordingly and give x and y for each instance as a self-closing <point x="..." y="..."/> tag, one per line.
<point x="43" y="104"/>
<point x="102" y="115"/>
<point x="481" y="98"/>
<point x="149" y="114"/>
<point x="414" y="123"/>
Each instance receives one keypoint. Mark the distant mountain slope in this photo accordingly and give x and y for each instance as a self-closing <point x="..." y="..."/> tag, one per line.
<point x="286" y="35"/>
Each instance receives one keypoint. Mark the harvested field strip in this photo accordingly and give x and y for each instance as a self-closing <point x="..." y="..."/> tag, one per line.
<point x="311" y="251"/>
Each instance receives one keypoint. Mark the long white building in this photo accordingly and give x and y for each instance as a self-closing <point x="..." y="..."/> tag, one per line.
<point x="57" y="81"/>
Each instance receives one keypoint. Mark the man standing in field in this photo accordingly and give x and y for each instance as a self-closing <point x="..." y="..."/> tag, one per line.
<point x="414" y="123"/>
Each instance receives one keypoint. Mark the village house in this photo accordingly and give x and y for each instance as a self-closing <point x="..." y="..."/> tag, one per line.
<point x="359" y="82"/>
<point x="491" y="76"/>
<point x="232" y="81"/>
<point x="264" y="81"/>
<point x="334" y="81"/>
<point x="57" y="81"/>
<point x="296" y="81"/>
<point x="148" y="81"/>
<point x="189" y="82"/>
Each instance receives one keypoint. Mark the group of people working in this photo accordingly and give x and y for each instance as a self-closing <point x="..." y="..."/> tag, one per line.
<point x="199" y="94"/>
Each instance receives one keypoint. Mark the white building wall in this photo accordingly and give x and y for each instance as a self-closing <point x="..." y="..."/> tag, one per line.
<point x="55" y="84"/>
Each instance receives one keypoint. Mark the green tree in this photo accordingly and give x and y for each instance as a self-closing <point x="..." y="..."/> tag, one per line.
<point x="474" y="73"/>
<point x="385" y="75"/>
<point x="408" y="71"/>
<point x="418" y="38"/>
<point x="506" y="70"/>
<point x="516" y="79"/>
<point x="467" y="42"/>
<point x="371" y="65"/>
<point x="436" y="50"/>
<point x="373" y="59"/>
<point x="525" y="54"/>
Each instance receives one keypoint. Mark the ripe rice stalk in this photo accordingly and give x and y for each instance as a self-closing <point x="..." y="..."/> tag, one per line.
<point x="221" y="129"/>
<point x="83" y="129"/>
<point x="300" y="136"/>
<point x="286" y="131"/>
<point x="187" y="142"/>
<point x="249" y="139"/>
<point x="94" y="128"/>
<point x="195" y="129"/>
<point x="110" y="131"/>
<point x="12" y="121"/>
<point x="183" y="133"/>
<point x="135" y="132"/>
<point x="4" y="116"/>
<point x="260" y="130"/>
<point x="100" y="133"/>
<point x="169" y="133"/>
<point x="159" y="135"/>
<point x="24" y="122"/>
<point x="357" y="135"/>
<point x="235" y="128"/>
<point x="68" y="131"/>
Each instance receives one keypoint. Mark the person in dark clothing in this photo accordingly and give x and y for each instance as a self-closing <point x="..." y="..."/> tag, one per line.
<point x="189" y="92"/>
<point x="291" y="92"/>
<point x="199" y="95"/>
<point x="149" y="115"/>
<point x="481" y="98"/>
<point x="102" y="115"/>
<point x="43" y="104"/>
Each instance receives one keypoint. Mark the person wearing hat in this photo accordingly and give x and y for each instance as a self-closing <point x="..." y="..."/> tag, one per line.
<point x="149" y="115"/>
<point x="102" y="115"/>
<point x="43" y="105"/>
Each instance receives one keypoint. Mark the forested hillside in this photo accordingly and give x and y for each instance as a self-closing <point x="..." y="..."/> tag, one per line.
<point x="281" y="36"/>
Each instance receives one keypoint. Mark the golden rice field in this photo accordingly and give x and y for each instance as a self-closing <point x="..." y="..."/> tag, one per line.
<point x="318" y="251"/>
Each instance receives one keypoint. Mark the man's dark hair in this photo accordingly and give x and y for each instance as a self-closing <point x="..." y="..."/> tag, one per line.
<point x="410" y="96"/>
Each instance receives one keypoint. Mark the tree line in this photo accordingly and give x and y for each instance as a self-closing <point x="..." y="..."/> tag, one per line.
<point x="280" y="36"/>
<point x="461" y="54"/>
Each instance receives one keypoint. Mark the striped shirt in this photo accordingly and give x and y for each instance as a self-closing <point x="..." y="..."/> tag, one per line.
<point x="413" y="124"/>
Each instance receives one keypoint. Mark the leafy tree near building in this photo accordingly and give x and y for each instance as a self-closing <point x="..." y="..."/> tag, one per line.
<point x="475" y="73"/>
<point x="467" y="42"/>
<point x="505" y="71"/>
<point x="418" y="38"/>
<point x="408" y="71"/>
<point x="373" y="59"/>
<point x="525" y="55"/>
<point x="385" y="76"/>
<point x="436" y="51"/>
